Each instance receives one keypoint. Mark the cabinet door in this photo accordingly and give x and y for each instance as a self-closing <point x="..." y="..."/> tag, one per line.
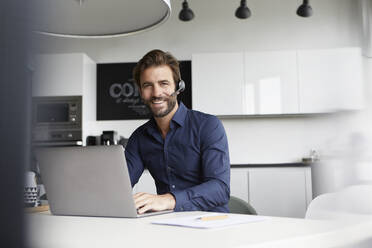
<point x="271" y="82"/>
<point x="218" y="80"/>
<point x="279" y="191"/>
<point x="58" y="75"/>
<point x="239" y="183"/>
<point x="330" y="80"/>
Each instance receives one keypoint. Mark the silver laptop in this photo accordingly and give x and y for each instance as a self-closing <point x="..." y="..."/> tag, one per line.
<point x="88" y="181"/>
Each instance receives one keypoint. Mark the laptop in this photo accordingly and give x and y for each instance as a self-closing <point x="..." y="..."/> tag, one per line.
<point x="88" y="181"/>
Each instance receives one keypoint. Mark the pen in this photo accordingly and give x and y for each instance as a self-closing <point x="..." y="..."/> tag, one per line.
<point x="213" y="217"/>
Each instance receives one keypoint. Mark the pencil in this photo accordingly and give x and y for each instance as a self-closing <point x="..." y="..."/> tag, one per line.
<point x="213" y="217"/>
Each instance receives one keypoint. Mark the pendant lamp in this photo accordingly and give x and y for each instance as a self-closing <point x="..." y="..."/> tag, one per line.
<point x="305" y="9"/>
<point x="98" y="18"/>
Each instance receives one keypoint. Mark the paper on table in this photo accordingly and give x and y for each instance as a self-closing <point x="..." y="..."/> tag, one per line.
<point x="196" y="222"/>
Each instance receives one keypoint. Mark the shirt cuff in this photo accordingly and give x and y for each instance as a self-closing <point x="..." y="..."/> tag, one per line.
<point x="181" y="200"/>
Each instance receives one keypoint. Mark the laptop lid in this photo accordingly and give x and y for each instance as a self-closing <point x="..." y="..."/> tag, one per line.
<point x="87" y="181"/>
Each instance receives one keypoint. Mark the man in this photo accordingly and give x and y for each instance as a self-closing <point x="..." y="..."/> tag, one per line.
<point x="185" y="151"/>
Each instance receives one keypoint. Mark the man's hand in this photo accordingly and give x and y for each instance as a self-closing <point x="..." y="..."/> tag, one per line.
<point x="145" y="202"/>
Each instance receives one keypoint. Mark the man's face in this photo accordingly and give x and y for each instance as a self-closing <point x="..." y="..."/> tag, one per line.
<point x="157" y="86"/>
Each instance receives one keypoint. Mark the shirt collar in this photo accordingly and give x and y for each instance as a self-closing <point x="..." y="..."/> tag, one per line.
<point x="180" y="115"/>
<point x="179" y="118"/>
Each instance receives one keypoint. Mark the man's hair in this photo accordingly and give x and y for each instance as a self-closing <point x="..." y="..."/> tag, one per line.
<point x="157" y="58"/>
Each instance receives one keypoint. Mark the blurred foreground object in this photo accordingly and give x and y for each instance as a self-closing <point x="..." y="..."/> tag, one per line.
<point x="352" y="203"/>
<point x="15" y="99"/>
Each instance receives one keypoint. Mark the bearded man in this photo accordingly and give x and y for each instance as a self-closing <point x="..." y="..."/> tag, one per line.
<point x="185" y="151"/>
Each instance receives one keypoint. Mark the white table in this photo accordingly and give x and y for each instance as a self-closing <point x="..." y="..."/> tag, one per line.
<point x="46" y="230"/>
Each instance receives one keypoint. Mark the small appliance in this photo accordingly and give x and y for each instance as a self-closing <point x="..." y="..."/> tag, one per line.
<point x="109" y="138"/>
<point x="57" y="120"/>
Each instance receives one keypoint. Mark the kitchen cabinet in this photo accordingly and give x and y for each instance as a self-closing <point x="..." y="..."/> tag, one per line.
<point x="278" y="82"/>
<point x="63" y="74"/>
<point x="245" y="83"/>
<point x="271" y="82"/>
<point x="274" y="191"/>
<point x="218" y="83"/>
<point x="330" y="80"/>
<point x="239" y="183"/>
<point x="280" y="191"/>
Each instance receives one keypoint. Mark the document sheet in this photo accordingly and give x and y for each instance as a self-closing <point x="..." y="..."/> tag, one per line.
<point x="212" y="220"/>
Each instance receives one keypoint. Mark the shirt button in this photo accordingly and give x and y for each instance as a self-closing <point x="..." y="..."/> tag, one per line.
<point x="173" y="186"/>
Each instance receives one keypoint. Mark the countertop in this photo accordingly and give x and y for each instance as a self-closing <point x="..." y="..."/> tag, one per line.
<point x="299" y="164"/>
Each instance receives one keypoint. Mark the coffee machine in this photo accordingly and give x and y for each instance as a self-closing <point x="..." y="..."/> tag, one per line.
<point x="109" y="138"/>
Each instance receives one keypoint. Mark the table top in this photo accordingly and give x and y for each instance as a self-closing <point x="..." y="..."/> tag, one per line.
<point x="46" y="230"/>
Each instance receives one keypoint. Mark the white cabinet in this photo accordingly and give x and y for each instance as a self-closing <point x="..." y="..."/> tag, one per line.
<point x="239" y="183"/>
<point x="278" y="82"/>
<point x="63" y="74"/>
<point x="330" y="80"/>
<point x="284" y="191"/>
<point x="280" y="191"/>
<point x="271" y="82"/>
<point x="218" y="81"/>
<point x="245" y="83"/>
<point x="274" y="191"/>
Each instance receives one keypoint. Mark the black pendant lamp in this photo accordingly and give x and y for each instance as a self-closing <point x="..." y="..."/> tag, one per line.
<point x="242" y="12"/>
<point x="186" y="13"/>
<point x="305" y="9"/>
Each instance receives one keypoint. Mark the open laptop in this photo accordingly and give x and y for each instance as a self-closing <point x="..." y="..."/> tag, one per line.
<point x="88" y="181"/>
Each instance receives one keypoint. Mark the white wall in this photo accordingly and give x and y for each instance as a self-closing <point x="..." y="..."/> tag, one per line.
<point x="273" y="26"/>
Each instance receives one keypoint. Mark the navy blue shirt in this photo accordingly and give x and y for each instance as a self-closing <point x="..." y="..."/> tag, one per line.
<point x="192" y="162"/>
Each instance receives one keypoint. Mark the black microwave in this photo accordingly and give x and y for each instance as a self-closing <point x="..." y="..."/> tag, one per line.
<point x="56" y="118"/>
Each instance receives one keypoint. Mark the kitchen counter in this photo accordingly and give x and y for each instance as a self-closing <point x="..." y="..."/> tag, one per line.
<point x="299" y="164"/>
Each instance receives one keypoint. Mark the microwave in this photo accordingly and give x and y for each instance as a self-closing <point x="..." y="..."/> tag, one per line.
<point x="56" y="119"/>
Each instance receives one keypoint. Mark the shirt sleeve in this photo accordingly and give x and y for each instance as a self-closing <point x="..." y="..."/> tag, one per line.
<point x="214" y="190"/>
<point x="133" y="158"/>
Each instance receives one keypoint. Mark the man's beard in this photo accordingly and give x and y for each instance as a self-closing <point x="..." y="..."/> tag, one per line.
<point x="170" y="101"/>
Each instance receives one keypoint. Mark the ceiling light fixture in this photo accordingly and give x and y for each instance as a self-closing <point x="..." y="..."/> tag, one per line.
<point x="242" y="12"/>
<point x="80" y="2"/>
<point x="186" y="14"/>
<point x="97" y="18"/>
<point x="305" y="9"/>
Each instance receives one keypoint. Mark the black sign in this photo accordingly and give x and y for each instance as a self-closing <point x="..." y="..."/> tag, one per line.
<point x="118" y="95"/>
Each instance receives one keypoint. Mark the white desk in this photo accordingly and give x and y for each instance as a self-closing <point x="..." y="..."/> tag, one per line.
<point x="50" y="231"/>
